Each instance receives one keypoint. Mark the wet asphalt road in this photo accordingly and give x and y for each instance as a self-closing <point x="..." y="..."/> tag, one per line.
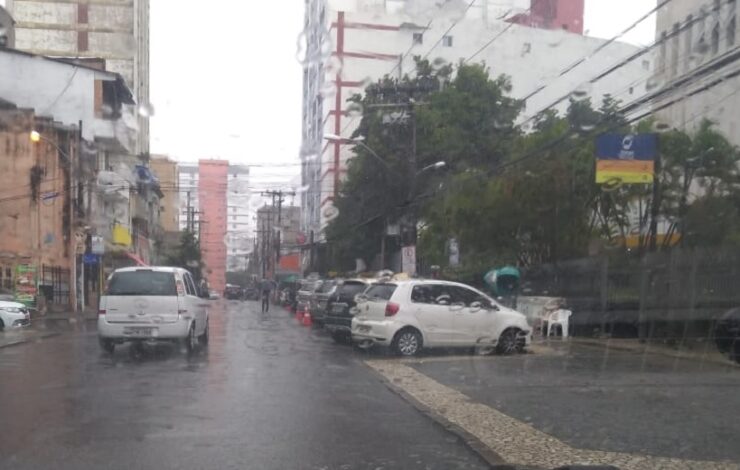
<point x="267" y="394"/>
<point x="609" y="399"/>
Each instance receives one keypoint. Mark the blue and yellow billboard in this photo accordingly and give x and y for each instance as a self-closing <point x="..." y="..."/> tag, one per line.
<point x="627" y="158"/>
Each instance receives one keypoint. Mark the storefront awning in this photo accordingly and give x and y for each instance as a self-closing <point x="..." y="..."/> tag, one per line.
<point x="135" y="257"/>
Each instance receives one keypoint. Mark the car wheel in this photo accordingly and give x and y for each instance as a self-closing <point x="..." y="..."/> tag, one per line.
<point x="407" y="342"/>
<point x="510" y="342"/>
<point x="191" y="341"/>
<point x="2" y="325"/>
<point x="203" y="339"/>
<point x="107" y="345"/>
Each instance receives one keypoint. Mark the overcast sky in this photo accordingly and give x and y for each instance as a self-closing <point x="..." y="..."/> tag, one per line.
<point x="225" y="82"/>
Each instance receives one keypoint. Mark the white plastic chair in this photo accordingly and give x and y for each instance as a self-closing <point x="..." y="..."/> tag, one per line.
<point x="559" y="317"/>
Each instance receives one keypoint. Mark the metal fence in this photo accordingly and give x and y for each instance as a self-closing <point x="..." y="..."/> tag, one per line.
<point x="54" y="284"/>
<point x="679" y="293"/>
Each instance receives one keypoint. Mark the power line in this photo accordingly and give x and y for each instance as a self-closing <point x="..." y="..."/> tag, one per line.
<point x="619" y="64"/>
<point x="601" y="47"/>
<point x="452" y="26"/>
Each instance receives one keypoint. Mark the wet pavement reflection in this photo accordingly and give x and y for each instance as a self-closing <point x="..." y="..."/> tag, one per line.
<point x="266" y="393"/>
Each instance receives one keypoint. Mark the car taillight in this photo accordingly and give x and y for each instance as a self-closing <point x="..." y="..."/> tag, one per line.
<point x="391" y="308"/>
<point x="101" y="312"/>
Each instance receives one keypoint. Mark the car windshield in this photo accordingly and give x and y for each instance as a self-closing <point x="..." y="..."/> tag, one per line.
<point x="468" y="234"/>
<point x="142" y="283"/>
<point x="349" y="289"/>
<point x="380" y="291"/>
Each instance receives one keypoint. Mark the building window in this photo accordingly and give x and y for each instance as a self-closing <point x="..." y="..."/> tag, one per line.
<point x="715" y="39"/>
<point x="731" y="33"/>
<point x="418" y="38"/>
<point x="447" y="41"/>
<point x="233" y="226"/>
<point x="646" y="64"/>
<point x="233" y="217"/>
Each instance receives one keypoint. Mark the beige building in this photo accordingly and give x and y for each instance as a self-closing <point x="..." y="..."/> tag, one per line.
<point x="37" y="220"/>
<point x="114" y="30"/>
<point x="699" y="51"/>
<point x="166" y="171"/>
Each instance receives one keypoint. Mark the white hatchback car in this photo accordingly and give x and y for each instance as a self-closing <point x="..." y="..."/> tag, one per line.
<point x="152" y="304"/>
<point x="409" y="315"/>
<point x="13" y="315"/>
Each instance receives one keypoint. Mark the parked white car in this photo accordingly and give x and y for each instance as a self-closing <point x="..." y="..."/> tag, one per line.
<point x="152" y="304"/>
<point x="409" y="315"/>
<point x="13" y="315"/>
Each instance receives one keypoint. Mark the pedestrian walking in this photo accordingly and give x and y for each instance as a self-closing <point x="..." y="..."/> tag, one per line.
<point x="266" y="287"/>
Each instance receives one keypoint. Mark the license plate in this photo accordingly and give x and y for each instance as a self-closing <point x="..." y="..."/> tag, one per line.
<point x="137" y="331"/>
<point x="363" y="328"/>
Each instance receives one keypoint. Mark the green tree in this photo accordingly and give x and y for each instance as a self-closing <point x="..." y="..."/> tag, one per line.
<point x="187" y="254"/>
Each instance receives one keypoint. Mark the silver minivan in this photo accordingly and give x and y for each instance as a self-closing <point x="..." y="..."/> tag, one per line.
<point x="150" y="304"/>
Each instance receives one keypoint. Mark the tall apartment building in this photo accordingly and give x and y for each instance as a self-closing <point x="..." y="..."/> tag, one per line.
<point x="117" y="32"/>
<point x="165" y="169"/>
<point x="351" y="43"/>
<point x="220" y="213"/>
<point x="699" y="44"/>
<point x="212" y="233"/>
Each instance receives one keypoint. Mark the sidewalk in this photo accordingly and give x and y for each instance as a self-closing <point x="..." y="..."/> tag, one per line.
<point x="65" y="316"/>
<point x="13" y="337"/>
<point x="706" y="351"/>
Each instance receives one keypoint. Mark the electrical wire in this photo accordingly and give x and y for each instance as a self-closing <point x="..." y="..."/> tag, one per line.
<point x="452" y="26"/>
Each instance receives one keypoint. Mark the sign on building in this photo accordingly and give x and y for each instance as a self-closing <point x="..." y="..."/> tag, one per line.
<point x="626" y="158"/>
<point x="408" y="259"/>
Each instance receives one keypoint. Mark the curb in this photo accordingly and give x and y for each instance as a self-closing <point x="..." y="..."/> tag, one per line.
<point x="470" y="441"/>
<point x="28" y="340"/>
<point x="657" y="350"/>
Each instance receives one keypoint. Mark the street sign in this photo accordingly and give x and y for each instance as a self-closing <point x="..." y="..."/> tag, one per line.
<point x="90" y="258"/>
<point x="408" y="259"/>
<point x="627" y="158"/>
<point x="97" y="245"/>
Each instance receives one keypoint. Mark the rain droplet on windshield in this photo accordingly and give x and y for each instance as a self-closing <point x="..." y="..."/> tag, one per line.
<point x="653" y="83"/>
<point x="661" y="126"/>
<point x="328" y="89"/>
<point x="146" y="110"/>
<point x="581" y="92"/>
<point x="354" y="110"/>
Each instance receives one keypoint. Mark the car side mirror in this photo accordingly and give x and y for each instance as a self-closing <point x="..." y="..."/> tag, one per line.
<point x="361" y="298"/>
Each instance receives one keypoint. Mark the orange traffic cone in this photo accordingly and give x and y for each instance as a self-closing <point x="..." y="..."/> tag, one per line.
<point x="306" y="319"/>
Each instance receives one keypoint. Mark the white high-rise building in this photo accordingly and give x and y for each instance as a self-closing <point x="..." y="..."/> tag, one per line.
<point x="239" y="238"/>
<point x="239" y="227"/>
<point x="699" y="49"/>
<point x="350" y="43"/>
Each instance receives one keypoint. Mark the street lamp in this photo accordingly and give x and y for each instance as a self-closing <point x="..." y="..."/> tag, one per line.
<point x="358" y="141"/>
<point x="433" y="166"/>
<point x="36" y="137"/>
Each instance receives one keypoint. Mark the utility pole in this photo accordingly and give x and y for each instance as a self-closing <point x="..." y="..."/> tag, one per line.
<point x="278" y="197"/>
<point x="188" y="219"/>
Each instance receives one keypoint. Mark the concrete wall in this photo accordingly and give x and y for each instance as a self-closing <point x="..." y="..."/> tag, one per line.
<point x="681" y="55"/>
<point x="7" y="29"/>
<point x="32" y="82"/>
<point x="32" y="231"/>
<point x="166" y="170"/>
<point x="373" y="41"/>
<point x="115" y="30"/>
<point x="212" y="200"/>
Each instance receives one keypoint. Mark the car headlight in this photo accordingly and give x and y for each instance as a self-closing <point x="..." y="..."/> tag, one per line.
<point x="11" y="309"/>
